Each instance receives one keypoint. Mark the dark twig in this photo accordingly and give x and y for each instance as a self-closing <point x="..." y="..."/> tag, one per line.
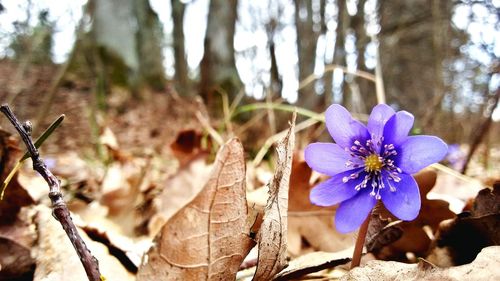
<point x="481" y="131"/>
<point x="59" y="208"/>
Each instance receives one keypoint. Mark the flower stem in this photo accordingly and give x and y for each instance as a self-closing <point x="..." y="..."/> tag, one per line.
<point x="360" y="242"/>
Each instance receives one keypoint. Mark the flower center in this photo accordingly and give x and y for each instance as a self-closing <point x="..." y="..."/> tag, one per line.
<point x="373" y="163"/>
<point x="376" y="169"/>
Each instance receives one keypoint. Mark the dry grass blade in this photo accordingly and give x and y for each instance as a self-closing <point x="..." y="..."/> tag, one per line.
<point x="208" y="238"/>
<point x="273" y="232"/>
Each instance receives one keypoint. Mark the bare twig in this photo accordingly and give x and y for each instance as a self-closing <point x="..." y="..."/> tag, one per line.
<point x="59" y="208"/>
<point x="482" y="130"/>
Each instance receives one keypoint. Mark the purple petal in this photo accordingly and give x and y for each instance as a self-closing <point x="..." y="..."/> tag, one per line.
<point x="379" y="116"/>
<point x="353" y="212"/>
<point x="404" y="203"/>
<point x="328" y="158"/>
<point x="343" y="128"/>
<point x="418" y="152"/>
<point x="397" y="127"/>
<point x="334" y="190"/>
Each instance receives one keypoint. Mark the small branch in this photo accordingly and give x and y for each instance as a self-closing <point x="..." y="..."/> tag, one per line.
<point x="360" y="242"/>
<point x="59" y="208"/>
<point x="481" y="131"/>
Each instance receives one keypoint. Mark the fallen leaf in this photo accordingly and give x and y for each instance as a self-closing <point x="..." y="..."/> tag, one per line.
<point x="487" y="201"/>
<point x="15" y="196"/>
<point x="16" y="242"/>
<point x="414" y="238"/>
<point x="179" y="189"/>
<point x="381" y="232"/>
<point x="208" y="238"/>
<point x="459" y="240"/>
<point x="272" y="243"/>
<point x="484" y="267"/>
<point x="310" y="226"/>
<point x="57" y="260"/>
<point x="187" y="146"/>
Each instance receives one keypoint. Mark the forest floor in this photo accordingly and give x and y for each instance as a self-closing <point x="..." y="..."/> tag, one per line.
<point x="126" y="171"/>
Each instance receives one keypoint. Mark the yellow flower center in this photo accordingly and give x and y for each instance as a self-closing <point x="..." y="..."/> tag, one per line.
<point x="373" y="163"/>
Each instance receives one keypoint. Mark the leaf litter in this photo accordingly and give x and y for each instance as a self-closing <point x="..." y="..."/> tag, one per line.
<point x="434" y="236"/>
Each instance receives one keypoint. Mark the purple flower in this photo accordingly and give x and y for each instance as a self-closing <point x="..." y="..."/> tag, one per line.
<point x="370" y="163"/>
<point x="455" y="157"/>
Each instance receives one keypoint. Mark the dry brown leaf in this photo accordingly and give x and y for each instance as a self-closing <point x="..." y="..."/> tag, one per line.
<point x="310" y="225"/>
<point x="179" y="190"/>
<point x="16" y="241"/>
<point x="208" y="238"/>
<point x="484" y="267"/>
<point x="414" y="238"/>
<point x="487" y="201"/>
<point x="187" y="146"/>
<point x="459" y="240"/>
<point x="56" y="259"/>
<point x="15" y="195"/>
<point x="273" y="231"/>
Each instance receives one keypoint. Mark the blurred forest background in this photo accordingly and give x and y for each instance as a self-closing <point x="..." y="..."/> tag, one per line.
<point x="436" y="59"/>
<point x="151" y="89"/>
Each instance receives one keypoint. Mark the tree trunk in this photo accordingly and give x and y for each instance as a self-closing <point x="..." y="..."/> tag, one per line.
<point x="307" y="38"/>
<point x="366" y="88"/>
<point x="181" y="67"/>
<point x="126" y="43"/>
<point x="218" y="66"/>
<point x="339" y="56"/>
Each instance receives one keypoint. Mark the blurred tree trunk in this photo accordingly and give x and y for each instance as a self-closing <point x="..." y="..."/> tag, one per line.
<point x="276" y="81"/>
<point x="366" y="88"/>
<point x="339" y="56"/>
<point x="307" y="37"/>
<point x="124" y="46"/>
<point x="412" y="51"/>
<point x="439" y="41"/>
<point x="327" y="76"/>
<point x="181" y="67"/>
<point x="218" y="66"/>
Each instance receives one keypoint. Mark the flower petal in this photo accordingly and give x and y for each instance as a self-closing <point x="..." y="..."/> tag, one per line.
<point x="397" y="127"/>
<point x="418" y="152"/>
<point x="379" y="116"/>
<point x="404" y="203"/>
<point x="334" y="190"/>
<point x="343" y="128"/>
<point x="328" y="158"/>
<point x="353" y="212"/>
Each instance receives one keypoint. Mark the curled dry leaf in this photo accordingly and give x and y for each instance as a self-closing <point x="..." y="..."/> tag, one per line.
<point x="484" y="267"/>
<point x="273" y="231"/>
<point x="15" y="196"/>
<point x="381" y="233"/>
<point x="209" y="237"/>
<point x="414" y="238"/>
<point x="181" y="187"/>
<point x="187" y="146"/>
<point x="486" y="201"/>
<point x="56" y="260"/>
<point x="178" y="191"/>
<point x="16" y="241"/>
<point x="310" y="225"/>
<point x="459" y="240"/>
